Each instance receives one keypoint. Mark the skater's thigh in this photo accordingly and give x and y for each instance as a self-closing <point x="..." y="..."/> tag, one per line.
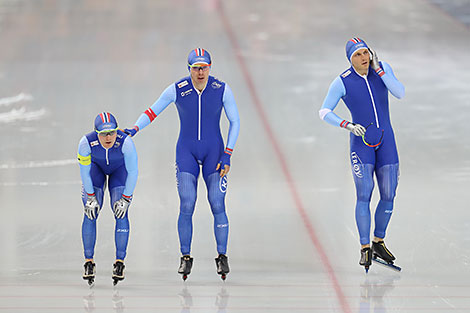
<point x="97" y="175"/>
<point x="187" y="191"/>
<point x="118" y="177"/>
<point x="387" y="153"/>
<point x="98" y="178"/>
<point x="185" y="160"/>
<point x="211" y="159"/>
<point x="387" y="179"/>
<point x="362" y="160"/>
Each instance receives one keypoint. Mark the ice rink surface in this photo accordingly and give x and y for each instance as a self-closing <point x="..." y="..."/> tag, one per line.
<point x="293" y="243"/>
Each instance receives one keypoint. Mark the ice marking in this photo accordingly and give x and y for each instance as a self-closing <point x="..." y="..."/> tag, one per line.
<point x="21" y="115"/>
<point x="39" y="164"/>
<point x="18" y="98"/>
<point x="40" y="183"/>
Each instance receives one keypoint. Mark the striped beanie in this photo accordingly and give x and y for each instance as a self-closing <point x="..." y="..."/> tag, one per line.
<point x="353" y="45"/>
<point x="199" y="56"/>
<point x="105" y="121"/>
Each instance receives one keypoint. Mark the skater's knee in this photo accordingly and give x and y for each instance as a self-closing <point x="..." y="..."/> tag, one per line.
<point x="387" y="178"/>
<point x="187" y="191"/>
<point x="187" y="207"/>
<point x="364" y="182"/>
<point x="388" y="195"/>
<point x="187" y="202"/>
<point x="214" y="194"/>
<point x="364" y="192"/>
<point x="88" y="223"/>
<point x="364" y="188"/>
<point x="217" y="205"/>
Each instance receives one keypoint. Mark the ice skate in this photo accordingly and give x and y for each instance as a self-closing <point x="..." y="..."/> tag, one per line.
<point x="382" y="255"/>
<point x="185" y="266"/>
<point x="379" y="250"/>
<point x="89" y="274"/>
<point x="222" y="266"/>
<point x="366" y="258"/>
<point x="118" y="272"/>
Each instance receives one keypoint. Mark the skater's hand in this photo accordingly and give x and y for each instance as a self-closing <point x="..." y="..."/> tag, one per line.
<point x="120" y="207"/>
<point x="224" y="163"/>
<point x="356" y="129"/>
<point x="131" y="131"/>
<point x="374" y="60"/>
<point x="92" y="207"/>
<point x="223" y="171"/>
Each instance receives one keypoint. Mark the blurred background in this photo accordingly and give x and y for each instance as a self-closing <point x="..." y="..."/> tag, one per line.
<point x="293" y="244"/>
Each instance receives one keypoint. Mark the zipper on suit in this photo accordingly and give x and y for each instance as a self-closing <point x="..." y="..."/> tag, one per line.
<point x="199" y="113"/>
<point x="373" y="102"/>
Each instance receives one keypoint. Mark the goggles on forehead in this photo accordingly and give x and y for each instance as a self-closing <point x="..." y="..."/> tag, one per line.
<point x="106" y="132"/>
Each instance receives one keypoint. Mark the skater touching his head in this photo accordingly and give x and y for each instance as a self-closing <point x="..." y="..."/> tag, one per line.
<point x="199" y="99"/>
<point x="107" y="156"/>
<point x="364" y="88"/>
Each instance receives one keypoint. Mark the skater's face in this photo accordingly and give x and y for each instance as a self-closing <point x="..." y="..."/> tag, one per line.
<point x="360" y="61"/>
<point x="107" y="139"/>
<point x="200" y="74"/>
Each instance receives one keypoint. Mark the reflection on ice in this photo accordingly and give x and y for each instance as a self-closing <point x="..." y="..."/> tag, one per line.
<point x="373" y="290"/>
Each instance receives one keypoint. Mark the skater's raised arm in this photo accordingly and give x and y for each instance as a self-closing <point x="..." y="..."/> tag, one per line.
<point x="393" y="84"/>
<point x="166" y="98"/>
<point x="107" y="159"/>
<point x="364" y="88"/>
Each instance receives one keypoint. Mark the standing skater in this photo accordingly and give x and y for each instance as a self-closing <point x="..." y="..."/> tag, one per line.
<point x="107" y="156"/>
<point x="372" y="142"/>
<point x="199" y="99"/>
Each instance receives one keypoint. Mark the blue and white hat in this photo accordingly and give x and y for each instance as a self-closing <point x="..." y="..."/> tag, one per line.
<point x="105" y="121"/>
<point x="199" y="56"/>
<point x="353" y="45"/>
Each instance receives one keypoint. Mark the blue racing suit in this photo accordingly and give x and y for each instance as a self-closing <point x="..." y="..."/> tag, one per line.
<point x="366" y="97"/>
<point x="116" y="167"/>
<point x="200" y="143"/>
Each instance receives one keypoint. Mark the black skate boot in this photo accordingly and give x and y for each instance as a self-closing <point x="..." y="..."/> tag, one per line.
<point x="366" y="258"/>
<point x="185" y="266"/>
<point x="118" y="271"/>
<point x="222" y="266"/>
<point x="89" y="274"/>
<point x="379" y="250"/>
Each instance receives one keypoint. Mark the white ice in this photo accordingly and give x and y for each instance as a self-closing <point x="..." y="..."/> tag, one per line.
<point x="293" y="243"/>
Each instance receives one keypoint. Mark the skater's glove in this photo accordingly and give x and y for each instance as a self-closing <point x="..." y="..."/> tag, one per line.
<point x="131" y="131"/>
<point x="120" y="207"/>
<point x="374" y="60"/>
<point x="92" y="207"/>
<point x="356" y="129"/>
<point x="374" y="63"/>
<point x="225" y="157"/>
<point x="224" y="162"/>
